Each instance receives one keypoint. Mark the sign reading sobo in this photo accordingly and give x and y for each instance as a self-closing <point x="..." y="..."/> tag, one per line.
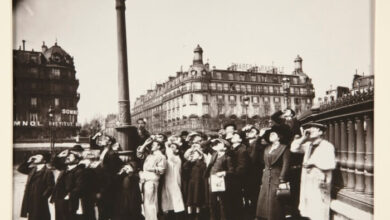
<point x="69" y="112"/>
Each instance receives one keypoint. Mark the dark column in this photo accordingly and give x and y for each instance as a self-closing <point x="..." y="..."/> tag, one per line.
<point x="359" y="163"/>
<point x="368" y="165"/>
<point x="351" y="155"/>
<point x="331" y="133"/>
<point x="337" y="140"/>
<point x="344" y="151"/>
<point x="125" y="131"/>
<point x="327" y="137"/>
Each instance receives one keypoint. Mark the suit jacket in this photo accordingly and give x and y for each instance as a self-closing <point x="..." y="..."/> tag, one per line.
<point x="38" y="189"/>
<point x="72" y="183"/>
<point x="111" y="162"/>
<point x="228" y="166"/>
<point x="241" y="160"/>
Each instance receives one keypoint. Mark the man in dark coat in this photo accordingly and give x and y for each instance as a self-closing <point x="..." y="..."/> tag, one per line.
<point x="128" y="199"/>
<point x="241" y="163"/>
<point x="221" y="165"/>
<point x="69" y="189"/>
<point x="143" y="134"/>
<point x="255" y="150"/>
<point x="40" y="183"/>
<point x="110" y="166"/>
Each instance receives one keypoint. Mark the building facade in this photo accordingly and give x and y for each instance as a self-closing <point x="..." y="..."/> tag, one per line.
<point x="44" y="80"/>
<point x="362" y="83"/>
<point x="205" y="98"/>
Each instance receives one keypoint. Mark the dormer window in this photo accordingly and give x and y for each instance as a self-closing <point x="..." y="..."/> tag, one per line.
<point x="56" y="58"/>
<point x="55" y="73"/>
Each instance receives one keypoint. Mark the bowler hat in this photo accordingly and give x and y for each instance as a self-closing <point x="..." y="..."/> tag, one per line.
<point x="230" y="124"/>
<point x="77" y="148"/>
<point x="322" y="127"/>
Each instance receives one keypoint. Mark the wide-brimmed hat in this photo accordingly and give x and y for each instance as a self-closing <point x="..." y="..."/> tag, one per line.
<point x="282" y="131"/>
<point x="314" y="124"/>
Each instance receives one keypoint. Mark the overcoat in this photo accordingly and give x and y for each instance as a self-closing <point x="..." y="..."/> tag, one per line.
<point x="316" y="181"/>
<point x="171" y="196"/>
<point x="106" y="175"/>
<point x="38" y="189"/>
<point x="241" y="161"/>
<point x="196" y="189"/>
<point x="128" y="199"/>
<point x="276" y="167"/>
<point x="220" y="203"/>
<point x="72" y="183"/>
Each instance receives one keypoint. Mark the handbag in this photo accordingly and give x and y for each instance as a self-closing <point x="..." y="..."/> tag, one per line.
<point x="283" y="191"/>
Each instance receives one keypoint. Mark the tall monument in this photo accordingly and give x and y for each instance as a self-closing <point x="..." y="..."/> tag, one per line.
<point x="127" y="134"/>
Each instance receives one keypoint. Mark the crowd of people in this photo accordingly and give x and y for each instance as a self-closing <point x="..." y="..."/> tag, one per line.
<point x="282" y="171"/>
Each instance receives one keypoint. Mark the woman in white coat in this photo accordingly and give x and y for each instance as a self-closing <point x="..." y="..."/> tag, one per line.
<point x="171" y="197"/>
<point x="318" y="162"/>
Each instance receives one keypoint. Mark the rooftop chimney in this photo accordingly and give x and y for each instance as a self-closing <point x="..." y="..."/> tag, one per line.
<point x="44" y="47"/>
<point x="24" y="44"/>
<point x="298" y="64"/>
<point x="198" y="53"/>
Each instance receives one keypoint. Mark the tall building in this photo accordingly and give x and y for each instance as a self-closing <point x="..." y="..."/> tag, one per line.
<point x="362" y="83"/>
<point x="204" y="98"/>
<point x="44" y="79"/>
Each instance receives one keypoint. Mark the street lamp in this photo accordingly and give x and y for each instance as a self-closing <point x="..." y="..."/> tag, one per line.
<point x="246" y="103"/>
<point x="286" y="89"/>
<point x="50" y="113"/>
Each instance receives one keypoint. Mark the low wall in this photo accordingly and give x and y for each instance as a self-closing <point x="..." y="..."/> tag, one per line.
<point x="23" y="150"/>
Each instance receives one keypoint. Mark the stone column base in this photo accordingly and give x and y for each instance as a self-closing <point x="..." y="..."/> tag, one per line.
<point x="128" y="139"/>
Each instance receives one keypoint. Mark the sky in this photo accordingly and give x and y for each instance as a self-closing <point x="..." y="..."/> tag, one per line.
<point x="332" y="37"/>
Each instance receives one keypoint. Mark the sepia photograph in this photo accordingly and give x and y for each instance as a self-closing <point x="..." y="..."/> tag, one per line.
<point x="193" y="110"/>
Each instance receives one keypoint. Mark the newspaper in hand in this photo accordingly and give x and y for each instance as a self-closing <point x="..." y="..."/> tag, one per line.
<point x="217" y="183"/>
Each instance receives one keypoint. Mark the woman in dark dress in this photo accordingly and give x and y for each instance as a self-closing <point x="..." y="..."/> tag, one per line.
<point x="276" y="161"/>
<point x="128" y="198"/>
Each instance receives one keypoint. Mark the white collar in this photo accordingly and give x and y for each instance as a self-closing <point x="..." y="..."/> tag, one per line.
<point x="40" y="166"/>
<point x="71" y="167"/>
<point x="317" y="141"/>
<point x="235" y="145"/>
<point x="220" y="153"/>
<point x="157" y="152"/>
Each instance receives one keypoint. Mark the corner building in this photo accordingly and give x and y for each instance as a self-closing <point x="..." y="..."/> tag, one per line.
<point x="44" y="79"/>
<point x="205" y="98"/>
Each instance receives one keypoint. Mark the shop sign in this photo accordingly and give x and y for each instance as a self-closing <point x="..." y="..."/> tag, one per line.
<point x="69" y="112"/>
<point x="27" y="124"/>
